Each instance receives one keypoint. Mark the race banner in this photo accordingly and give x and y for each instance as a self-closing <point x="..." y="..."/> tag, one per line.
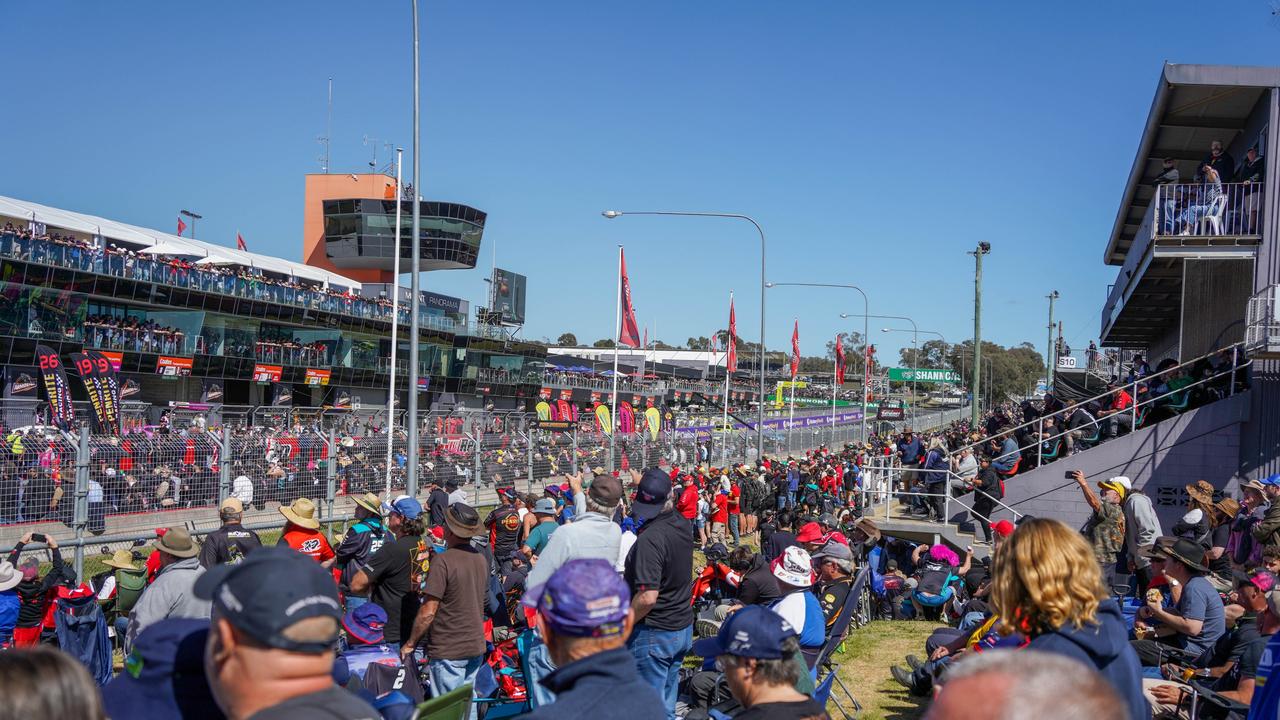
<point x="108" y="367"/>
<point x="54" y="376"/>
<point x="566" y="394"/>
<point x="174" y="367"/>
<point x="281" y="395"/>
<point x="545" y="393"/>
<point x="316" y="377"/>
<point x="211" y="391"/>
<point x="267" y="373"/>
<point x="101" y="387"/>
<point x="115" y="358"/>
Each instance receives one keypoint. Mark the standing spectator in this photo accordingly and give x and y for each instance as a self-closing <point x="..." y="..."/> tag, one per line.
<point x="438" y="502"/>
<point x="363" y="539"/>
<point x="170" y="594"/>
<point x="988" y="488"/>
<point x="545" y="512"/>
<point x="302" y="532"/>
<point x="452" y="614"/>
<point x="34" y="592"/>
<point x="659" y="572"/>
<point x="504" y="526"/>
<point x="1105" y="529"/>
<point x="719" y="516"/>
<point x="389" y="576"/>
<point x="910" y="452"/>
<point x="592" y="534"/>
<point x="586" y="616"/>
<point x="231" y="542"/>
<point x="1047" y="576"/>
<point x="1253" y="173"/>
<point x="733" y="495"/>
<point x="270" y="651"/>
<point x="1218" y="160"/>
<point x="688" y="505"/>
<point x="10" y="602"/>
<point x="1141" y="528"/>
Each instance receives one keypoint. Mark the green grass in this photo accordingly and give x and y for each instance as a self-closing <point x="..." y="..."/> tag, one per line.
<point x="864" y="667"/>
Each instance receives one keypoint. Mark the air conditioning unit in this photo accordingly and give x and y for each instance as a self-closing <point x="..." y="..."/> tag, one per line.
<point x="1262" y="325"/>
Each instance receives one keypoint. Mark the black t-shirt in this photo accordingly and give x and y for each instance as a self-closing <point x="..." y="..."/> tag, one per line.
<point x="390" y="573"/>
<point x="1246" y="665"/>
<point x="438" y="504"/>
<point x="504" y="531"/>
<point x="662" y="559"/>
<point x="758" y="586"/>
<point x="806" y="709"/>
<point x="228" y="545"/>
<point x="831" y="598"/>
<point x="777" y="544"/>
<point x="332" y="703"/>
<point x="1219" y="538"/>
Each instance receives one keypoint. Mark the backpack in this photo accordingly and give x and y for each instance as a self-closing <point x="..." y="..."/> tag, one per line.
<point x="129" y="587"/>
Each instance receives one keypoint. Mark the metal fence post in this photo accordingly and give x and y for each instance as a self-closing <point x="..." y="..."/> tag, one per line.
<point x="476" y="479"/>
<point x="1231" y="380"/>
<point x="331" y="477"/>
<point x="80" y="504"/>
<point x="1040" y="442"/>
<point x="529" y="453"/>
<point x="224" y="466"/>
<point x="411" y="474"/>
<point x="1133" y="417"/>
<point x="574" y="456"/>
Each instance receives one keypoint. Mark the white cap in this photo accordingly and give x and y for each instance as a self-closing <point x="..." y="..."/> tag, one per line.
<point x="1123" y="481"/>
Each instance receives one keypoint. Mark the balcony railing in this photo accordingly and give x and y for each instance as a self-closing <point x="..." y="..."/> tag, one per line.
<point x="1207" y="210"/>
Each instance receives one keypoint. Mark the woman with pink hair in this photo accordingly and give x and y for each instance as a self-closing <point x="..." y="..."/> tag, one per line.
<point x="936" y="577"/>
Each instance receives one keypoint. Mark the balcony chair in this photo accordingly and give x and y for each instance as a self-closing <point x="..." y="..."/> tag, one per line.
<point x="1213" y="216"/>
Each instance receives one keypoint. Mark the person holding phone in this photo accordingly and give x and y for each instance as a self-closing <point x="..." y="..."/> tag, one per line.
<point x="1105" y="529"/>
<point x="33" y="590"/>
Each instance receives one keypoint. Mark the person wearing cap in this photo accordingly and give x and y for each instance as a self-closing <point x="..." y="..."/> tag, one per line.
<point x="387" y="577"/>
<point x="1197" y="621"/>
<point x="758" y="651"/>
<point x="504" y="525"/>
<point x="364" y="538"/>
<point x="231" y="541"/>
<point x="451" y="618"/>
<point x="1105" y="529"/>
<point x="834" y="565"/>
<point x="163" y="675"/>
<point x="1267" y="530"/>
<point x="659" y="573"/>
<point x="171" y="594"/>
<point x="793" y="570"/>
<point x="719" y="516"/>
<point x="270" y="648"/>
<point x="367" y="661"/>
<point x="302" y="532"/>
<point x="1141" y="527"/>
<point x="592" y="534"/>
<point x="585" y="616"/>
<point x="545" y="512"/>
<point x="32" y="591"/>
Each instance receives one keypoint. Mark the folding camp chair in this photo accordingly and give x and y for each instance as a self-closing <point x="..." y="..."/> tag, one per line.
<point x="839" y="631"/>
<point x="450" y="706"/>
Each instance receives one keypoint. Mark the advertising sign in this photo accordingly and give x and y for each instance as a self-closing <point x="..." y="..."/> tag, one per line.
<point x="211" y="391"/>
<point x="924" y="375"/>
<point x="115" y="358"/>
<point x="267" y="373"/>
<point x="281" y="395"/>
<point x="891" y="412"/>
<point x="102" y="388"/>
<point x="174" y="367"/>
<point x="55" y="386"/>
<point x="316" y="377"/>
<point x="508" y="296"/>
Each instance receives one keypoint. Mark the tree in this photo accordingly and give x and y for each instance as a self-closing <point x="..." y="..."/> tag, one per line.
<point x="567" y="339"/>
<point x="603" y="343"/>
<point x="1008" y="371"/>
<point x="933" y="354"/>
<point x="698" y="343"/>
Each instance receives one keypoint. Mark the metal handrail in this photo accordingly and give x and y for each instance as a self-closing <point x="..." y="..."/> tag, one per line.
<point x="948" y="497"/>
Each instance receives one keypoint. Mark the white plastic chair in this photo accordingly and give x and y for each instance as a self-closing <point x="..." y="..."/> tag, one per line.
<point x="1213" y="217"/>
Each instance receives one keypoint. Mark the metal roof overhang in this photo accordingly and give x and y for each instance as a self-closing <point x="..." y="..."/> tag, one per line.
<point x="1193" y="106"/>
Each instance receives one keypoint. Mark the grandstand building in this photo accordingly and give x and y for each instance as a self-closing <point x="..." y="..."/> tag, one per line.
<point x="187" y="321"/>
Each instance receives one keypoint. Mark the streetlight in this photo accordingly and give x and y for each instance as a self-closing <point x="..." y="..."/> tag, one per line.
<point x="983" y="248"/>
<point x="411" y="481"/>
<point x="915" y="332"/>
<point x="194" y="217"/>
<point x="1050" y="357"/>
<point x="611" y="214"/>
<point x="866" y="305"/>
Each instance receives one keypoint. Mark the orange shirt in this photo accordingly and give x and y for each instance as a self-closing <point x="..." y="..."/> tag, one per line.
<point x="311" y="543"/>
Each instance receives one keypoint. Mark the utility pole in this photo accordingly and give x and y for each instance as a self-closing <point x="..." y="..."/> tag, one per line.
<point x="1050" y="355"/>
<point x="982" y="249"/>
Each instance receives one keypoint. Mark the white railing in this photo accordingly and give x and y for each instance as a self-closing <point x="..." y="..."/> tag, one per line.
<point x="1207" y="210"/>
<point x="884" y="483"/>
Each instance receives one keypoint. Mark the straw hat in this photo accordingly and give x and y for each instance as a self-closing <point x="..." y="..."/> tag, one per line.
<point x="370" y="502"/>
<point x="121" y="560"/>
<point x="177" y="541"/>
<point x="10" y="576"/>
<point x="301" y="512"/>
<point x="1201" y="490"/>
<point x="1228" y="507"/>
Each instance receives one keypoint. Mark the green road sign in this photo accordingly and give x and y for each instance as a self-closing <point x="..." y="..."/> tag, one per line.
<point x="925" y="375"/>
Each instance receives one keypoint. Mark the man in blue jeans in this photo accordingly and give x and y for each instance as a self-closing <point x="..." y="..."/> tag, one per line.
<point x="659" y="574"/>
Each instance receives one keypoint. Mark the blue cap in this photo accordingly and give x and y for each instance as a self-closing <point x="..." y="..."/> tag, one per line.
<point x="164" y="675"/>
<point x="365" y="623"/>
<point x="754" y="631"/>
<point x="408" y="507"/>
<point x="654" y="490"/>
<point x="584" y="598"/>
<point x="1271" y="480"/>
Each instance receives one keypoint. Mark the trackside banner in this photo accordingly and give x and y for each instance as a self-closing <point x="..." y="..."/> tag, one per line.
<point x="54" y="376"/>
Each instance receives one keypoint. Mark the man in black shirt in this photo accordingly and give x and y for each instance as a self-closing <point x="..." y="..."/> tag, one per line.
<point x="504" y="525"/>
<point x="780" y="539"/>
<point x="834" y="563"/>
<point x="388" y="578"/>
<point x="659" y="573"/>
<point x="758" y="585"/>
<point x="230" y="543"/>
<point x="438" y="502"/>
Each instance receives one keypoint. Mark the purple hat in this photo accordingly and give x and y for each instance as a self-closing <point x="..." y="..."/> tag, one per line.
<point x="584" y="598"/>
<point x="365" y="623"/>
<point x="654" y="490"/>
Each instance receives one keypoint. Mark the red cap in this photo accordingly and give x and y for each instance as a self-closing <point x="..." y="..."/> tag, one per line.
<point x="809" y="532"/>
<point x="1003" y="528"/>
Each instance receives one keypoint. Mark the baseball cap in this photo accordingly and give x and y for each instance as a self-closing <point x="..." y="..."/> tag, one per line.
<point x="407" y="507"/>
<point x="605" y="490"/>
<point x="269" y="591"/>
<point x="506" y="492"/>
<point x="1271" y="480"/>
<point x="365" y="623"/>
<point x="834" y="550"/>
<point x="231" y="504"/>
<point x="1113" y="485"/>
<point x="794" y="567"/>
<point x="1123" y="482"/>
<point x="583" y="598"/>
<point x="655" y="488"/>
<point x="163" y="674"/>
<point x="809" y="532"/>
<point x="754" y="631"/>
<point x="545" y="506"/>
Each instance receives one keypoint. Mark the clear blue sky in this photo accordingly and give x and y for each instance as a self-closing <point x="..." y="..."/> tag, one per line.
<point x="875" y="143"/>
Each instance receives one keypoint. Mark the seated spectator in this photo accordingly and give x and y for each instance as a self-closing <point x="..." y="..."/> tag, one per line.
<point x="368" y="662"/>
<point x="1047" y="576"/>
<point x="42" y="682"/>
<point x="758" y="585"/>
<point x="1115" y="415"/>
<point x="164" y="675"/>
<point x="936" y="576"/>
<point x="834" y="563"/>
<point x="1026" y="684"/>
<point x="270" y="649"/>
<point x="585" y="615"/>
<point x="758" y="650"/>
<point x="1198" y="619"/>
<point x="793" y="570"/>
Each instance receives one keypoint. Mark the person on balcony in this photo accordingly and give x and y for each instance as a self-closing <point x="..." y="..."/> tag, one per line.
<point x="1210" y="191"/>
<point x="1220" y="161"/>
<point x="1252" y="172"/>
<point x="1168" y="203"/>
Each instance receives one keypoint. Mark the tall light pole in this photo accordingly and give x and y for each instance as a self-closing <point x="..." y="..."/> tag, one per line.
<point x="611" y="214"/>
<point x="866" y="308"/>
<point x="983" y="248"/>
<point x="395" y="324"/>
<point x="1050" y="357"/>
<point x="411" y="481"/>
<point x="194" y="217"/>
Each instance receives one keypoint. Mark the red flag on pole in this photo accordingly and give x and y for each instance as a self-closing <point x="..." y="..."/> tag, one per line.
<point x="181" y="226"/>
<point x="839" y="359"/>
<point x="713" y="343"/>
<point x="240" y="243"/>
<point x="731" y="363"/>
<point x="628" y="333"/>
<point x="795" y="350"/>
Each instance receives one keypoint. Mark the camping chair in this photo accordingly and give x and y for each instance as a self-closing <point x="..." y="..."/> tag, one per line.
<point x="840" y="630"/>
<point x="1013" y="470"/>
<point x="822" y="694"/>
<point x="450" y="706"/>
<point x="487" y="685"/>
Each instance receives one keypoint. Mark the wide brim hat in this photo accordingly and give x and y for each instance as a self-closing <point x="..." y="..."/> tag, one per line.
<point x="10" y="576"/>
<point x="459" y="529"/>
<point x="1183" y="551"/>
<point x="301" y="512"/>
<point x="370" y="502"/>
<point x="177" y="541"/>
<point x="121" y="560"/>
<point x="1200" y="490"/>
<point x="1228" y="507"/>
<point x="868" y="528"/>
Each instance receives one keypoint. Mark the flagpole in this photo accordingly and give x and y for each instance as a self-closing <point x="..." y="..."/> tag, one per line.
<point x="617" y="338"/>
<point x="835" y="368"/>
<point x="791" y="418"/>
<point x="724" y="406"/>
<point x="395" y="327"/>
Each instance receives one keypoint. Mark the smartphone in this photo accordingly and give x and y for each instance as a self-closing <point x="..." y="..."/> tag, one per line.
<point x="1070" y="475"/>
<point x="38" y="537"/>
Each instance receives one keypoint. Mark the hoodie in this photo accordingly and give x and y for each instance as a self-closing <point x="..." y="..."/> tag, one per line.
<point x="602" y="685"/>
<point x="1104" y="646"/>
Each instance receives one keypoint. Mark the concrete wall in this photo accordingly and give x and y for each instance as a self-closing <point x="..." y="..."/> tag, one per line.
<point x="1160" y="460"/>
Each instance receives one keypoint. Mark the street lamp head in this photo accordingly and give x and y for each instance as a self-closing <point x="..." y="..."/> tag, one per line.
<point x="1054" y="295"/>
<point x="611" y="214"/>
<point x="844" y="315"/>
<point x="984" y="247"/>
<point x="769" y="285"/>
<point x="884" y="329"/>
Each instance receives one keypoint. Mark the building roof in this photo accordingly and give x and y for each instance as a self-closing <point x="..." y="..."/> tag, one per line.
<point x="1193" y="106"/>
<point x="161" y="243"/>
